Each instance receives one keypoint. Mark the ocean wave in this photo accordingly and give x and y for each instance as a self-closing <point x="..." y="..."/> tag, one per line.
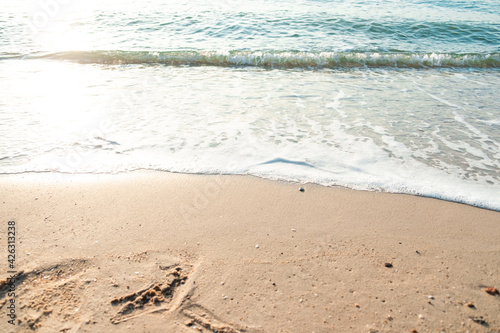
<point x="280" y="59"/>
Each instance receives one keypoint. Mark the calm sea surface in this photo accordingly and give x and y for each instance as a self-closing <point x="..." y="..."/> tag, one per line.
<point x="399" y="96"/>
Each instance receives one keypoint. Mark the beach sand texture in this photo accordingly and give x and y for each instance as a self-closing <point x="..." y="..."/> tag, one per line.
<point x="161" y="252"/>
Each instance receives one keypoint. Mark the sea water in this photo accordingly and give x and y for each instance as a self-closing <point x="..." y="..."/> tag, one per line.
<point x="398" y="96"/>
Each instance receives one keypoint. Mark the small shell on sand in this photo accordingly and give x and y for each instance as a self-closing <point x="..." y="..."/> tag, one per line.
<point x="492" y="291"/>
<point x="301" y="189"/>
<point x="257" y="246"/>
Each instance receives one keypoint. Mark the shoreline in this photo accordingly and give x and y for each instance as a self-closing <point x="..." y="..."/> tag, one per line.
<point x="144" y="171"/>
<point x="154" y="251"/>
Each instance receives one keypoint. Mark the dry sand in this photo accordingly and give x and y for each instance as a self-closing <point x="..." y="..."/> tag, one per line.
<point x="160" y="252"/>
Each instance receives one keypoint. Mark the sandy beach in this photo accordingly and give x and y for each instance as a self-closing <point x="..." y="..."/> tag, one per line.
<point x="162" y="252"/>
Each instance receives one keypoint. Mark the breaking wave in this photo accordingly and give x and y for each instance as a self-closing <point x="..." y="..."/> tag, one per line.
<point x="279" y="59"/>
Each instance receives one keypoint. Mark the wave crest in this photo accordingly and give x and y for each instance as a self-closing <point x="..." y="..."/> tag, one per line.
<point x="281" y="59"/>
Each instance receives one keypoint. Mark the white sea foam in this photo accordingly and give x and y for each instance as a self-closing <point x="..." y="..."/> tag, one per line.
<point x="430" y="132"/>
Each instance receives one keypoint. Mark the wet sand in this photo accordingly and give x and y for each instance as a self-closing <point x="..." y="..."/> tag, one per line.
<point x="160" y="252"/>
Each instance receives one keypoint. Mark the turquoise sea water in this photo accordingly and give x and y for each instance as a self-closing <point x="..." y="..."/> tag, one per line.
<point x="399" y="96"/>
